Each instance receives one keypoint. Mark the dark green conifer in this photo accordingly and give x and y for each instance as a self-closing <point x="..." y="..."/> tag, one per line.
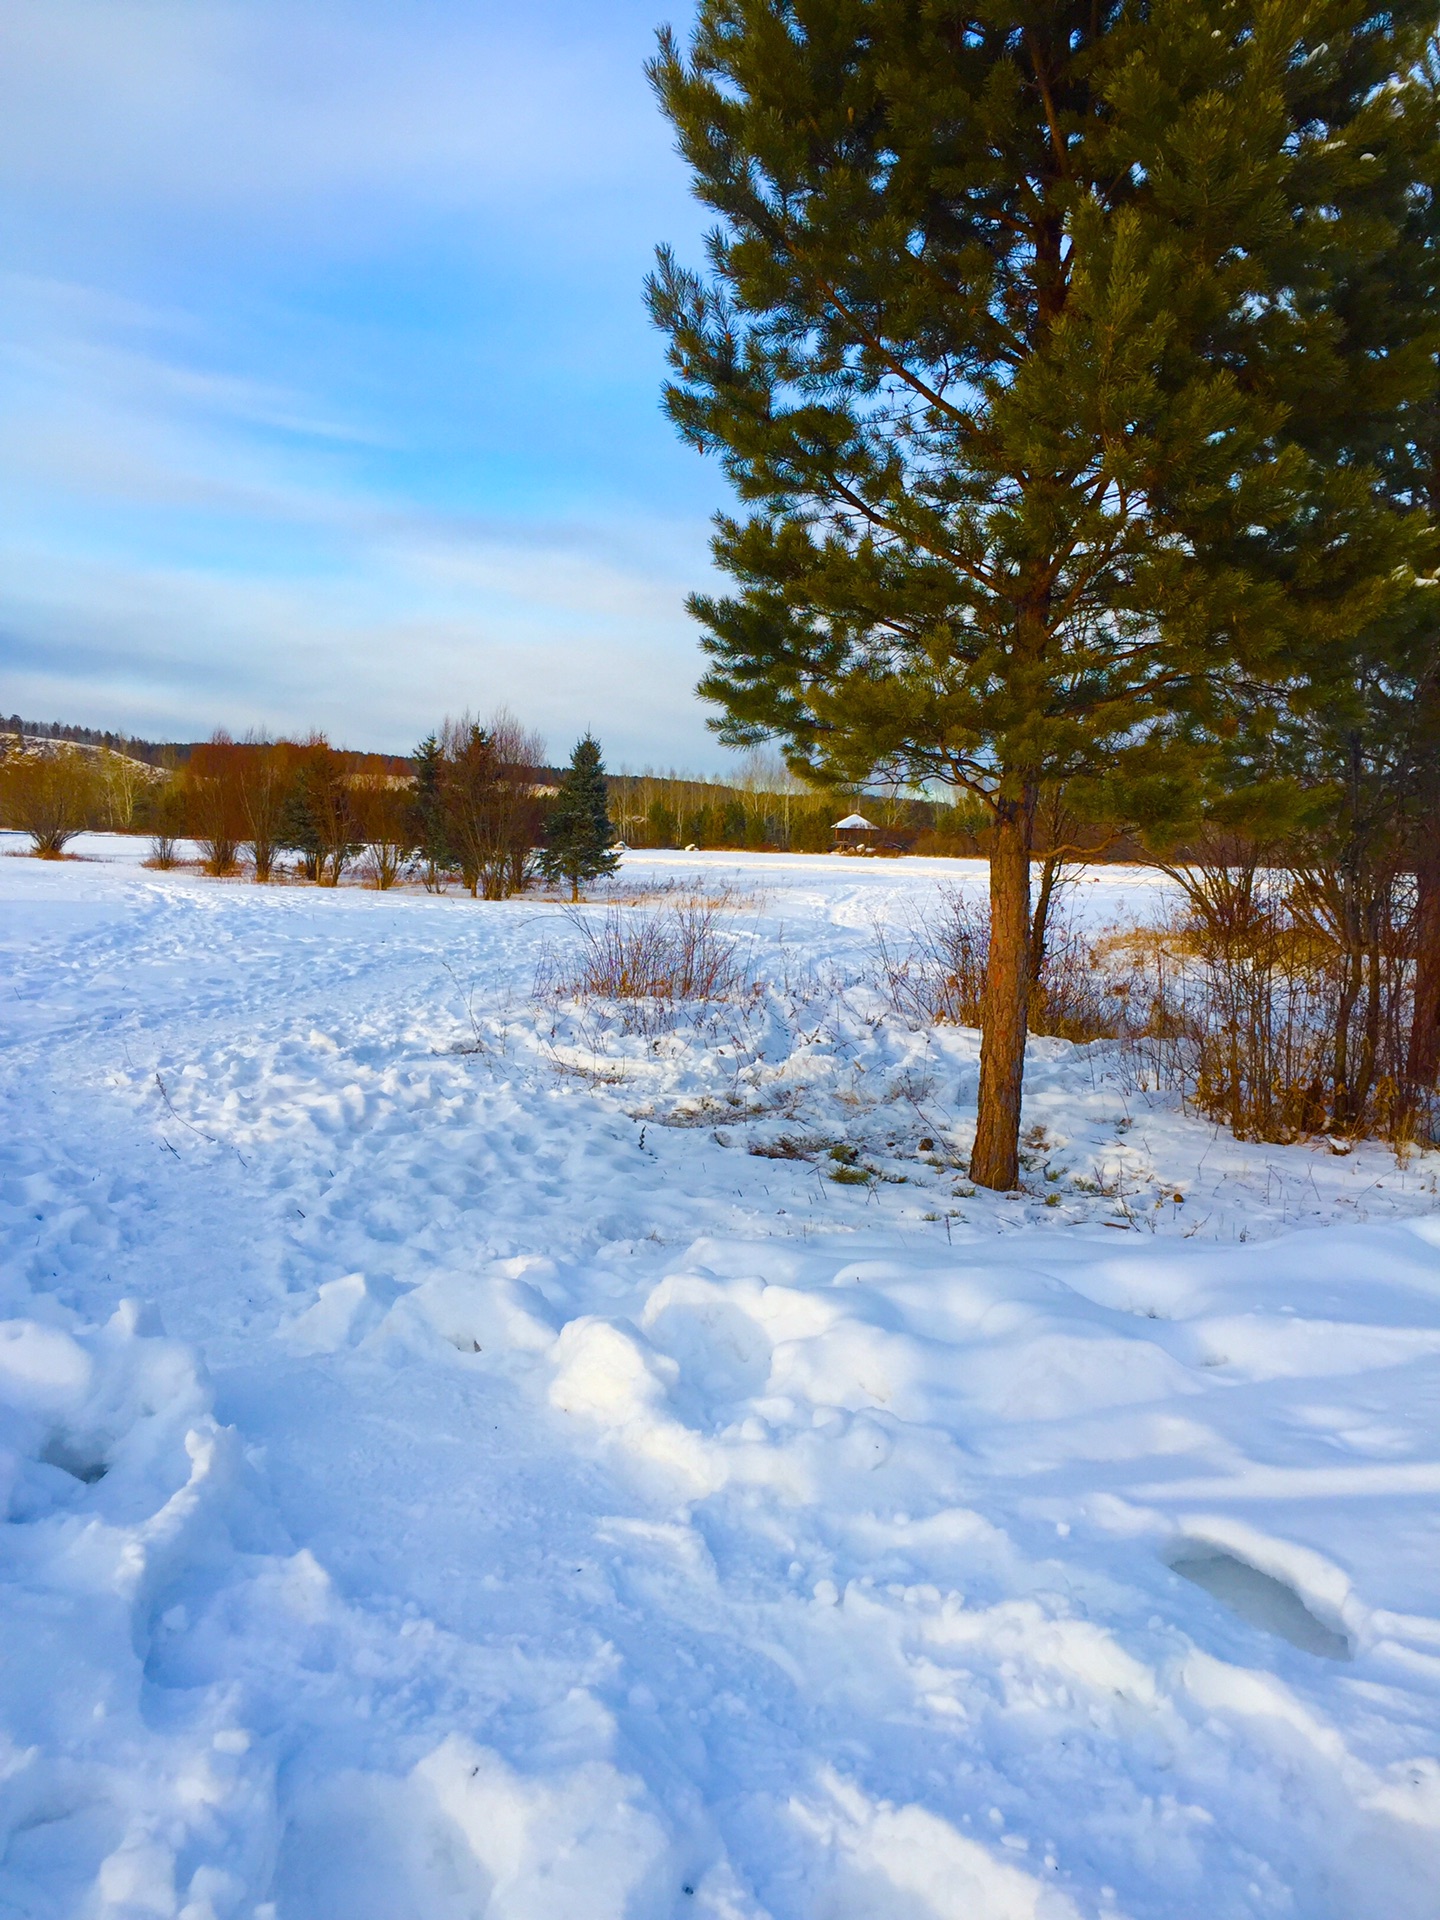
<point x="430" y="836"/>
<point x="1018" y="326"/>
<point x="299" y="830"/>
<point x="579" y="839"/>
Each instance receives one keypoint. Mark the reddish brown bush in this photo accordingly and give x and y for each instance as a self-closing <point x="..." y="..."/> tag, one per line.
<point x="382" y="808"/>
<point x="50" y="794"/>
<point x="213" y="783"/>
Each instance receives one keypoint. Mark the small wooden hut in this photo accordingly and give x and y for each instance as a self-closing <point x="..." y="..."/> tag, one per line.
<point x="854" y="831"/>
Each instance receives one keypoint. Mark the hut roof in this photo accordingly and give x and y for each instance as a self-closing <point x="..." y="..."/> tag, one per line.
<point x="854" y="820"/>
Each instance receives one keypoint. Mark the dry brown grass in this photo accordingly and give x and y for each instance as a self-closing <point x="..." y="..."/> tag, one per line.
<point x="651" y="962"/>
<point x="1250" y="1000"/>
<point x="680" y="893"/>
<point x="933" y="973"/>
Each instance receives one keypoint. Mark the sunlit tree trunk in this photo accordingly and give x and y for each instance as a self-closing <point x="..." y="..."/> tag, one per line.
<point x="996" y="1158"/>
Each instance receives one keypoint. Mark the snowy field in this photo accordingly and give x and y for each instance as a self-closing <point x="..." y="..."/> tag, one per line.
<point x="468" y="1461"/>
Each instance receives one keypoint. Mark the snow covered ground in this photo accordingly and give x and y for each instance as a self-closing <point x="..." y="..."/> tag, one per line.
<point x="463" y="1458"/>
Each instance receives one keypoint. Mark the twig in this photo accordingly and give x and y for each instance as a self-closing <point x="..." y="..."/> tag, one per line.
<point x="467" y="1001"/>
<point x="164" y="1095"/>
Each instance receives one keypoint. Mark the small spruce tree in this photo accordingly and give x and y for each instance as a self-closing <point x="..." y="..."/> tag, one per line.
<point x="579" y="838"/>
<point x="429" y="806"/>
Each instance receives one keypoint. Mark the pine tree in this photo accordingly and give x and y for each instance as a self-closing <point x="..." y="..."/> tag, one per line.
<point x="429" y="827"/>
<point x="298" y="830"/>
<point x="1008" y="314"/>
<point x="579" y="838"/>
<point x="315" y="817"/>
<point x="1351" y="767"/>
<point x="1408" y="729"/>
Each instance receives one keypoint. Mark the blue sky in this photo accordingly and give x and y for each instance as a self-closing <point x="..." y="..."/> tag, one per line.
<point x="327" y="397"/>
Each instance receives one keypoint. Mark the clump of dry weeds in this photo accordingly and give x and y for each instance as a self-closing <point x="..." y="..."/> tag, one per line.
<point x="652" y="962"/>
<point x="933" y="972"/>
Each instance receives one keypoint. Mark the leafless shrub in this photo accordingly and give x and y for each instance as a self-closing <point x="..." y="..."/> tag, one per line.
<point x="1075" y="998"/>
<point x="1255" y="1005"/>
<point x="264" y="776"/>
<point x="1231" y="1015"/>
<point x="167" y="814"/>
<point x="383" y="812"/>
<point x="1360" y="917"/>
<point x="519" y="750"/>
<point x="651" y="963"/>
<point x="49" y="794"/>
<point x="934" y="972"/>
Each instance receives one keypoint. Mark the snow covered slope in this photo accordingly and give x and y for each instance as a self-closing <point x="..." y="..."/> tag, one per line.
<point x="465" y="1460"/>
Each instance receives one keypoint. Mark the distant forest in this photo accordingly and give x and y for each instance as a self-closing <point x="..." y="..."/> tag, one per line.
<point x="158" y="753"/>
<point x="763" y="808"/>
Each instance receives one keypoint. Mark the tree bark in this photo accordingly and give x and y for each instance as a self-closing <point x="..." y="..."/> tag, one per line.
<point x="1049" y="874"/>
<point x="1422" y="1066"/>
<point x="996" y="1159"/>
<point x="1343" y="1114"/>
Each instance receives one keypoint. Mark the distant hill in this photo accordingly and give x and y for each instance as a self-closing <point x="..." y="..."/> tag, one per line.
<point x="155" y="752"/>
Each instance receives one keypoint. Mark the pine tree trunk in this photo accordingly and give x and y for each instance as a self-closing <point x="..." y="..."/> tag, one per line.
<point x="1350" y="983"/>
<point x="996" y="1159"/>
<point x="1422" y="1066"/>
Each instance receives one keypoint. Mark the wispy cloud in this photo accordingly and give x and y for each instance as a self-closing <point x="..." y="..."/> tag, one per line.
<point x="273" y="105"/>
<point x="325" y="393"/>
<point x="167" y="648"/>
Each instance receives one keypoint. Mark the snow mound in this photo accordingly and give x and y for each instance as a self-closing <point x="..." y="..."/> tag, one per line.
<point x="122" y="1492"/>
<point x="465" y="1836"/>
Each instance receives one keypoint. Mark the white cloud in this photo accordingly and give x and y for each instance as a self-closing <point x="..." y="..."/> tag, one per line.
<point x="278" y="106"/>
<point x="170" y="557"/>
<point x="225" y="500"/>
<point x="368" y="660"/>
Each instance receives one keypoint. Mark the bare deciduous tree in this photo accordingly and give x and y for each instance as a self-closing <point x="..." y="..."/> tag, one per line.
<point x="215" y="803"/>
<point x="50" y="794"/>
<point x="383" y="812"/>
<point x="264" y="783"/>
<point x="491" y="810"/>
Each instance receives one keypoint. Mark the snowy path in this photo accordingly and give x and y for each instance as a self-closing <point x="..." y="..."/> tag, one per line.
<point x="446" y="1484"/>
